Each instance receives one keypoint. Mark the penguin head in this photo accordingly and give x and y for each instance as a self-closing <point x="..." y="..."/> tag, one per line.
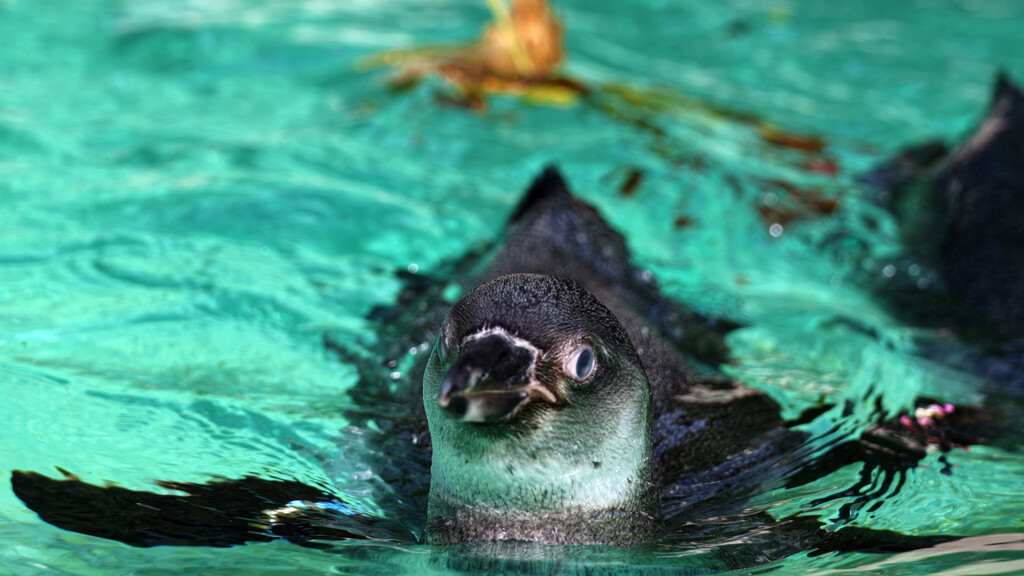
<point x="536" y="400"/>
<point x="524" y="347"/>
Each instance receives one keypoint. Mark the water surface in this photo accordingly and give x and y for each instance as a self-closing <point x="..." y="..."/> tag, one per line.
<point x="194" y="193"/>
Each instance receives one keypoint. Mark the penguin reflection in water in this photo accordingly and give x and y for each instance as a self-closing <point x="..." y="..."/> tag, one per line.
<point x="567" y="402"/>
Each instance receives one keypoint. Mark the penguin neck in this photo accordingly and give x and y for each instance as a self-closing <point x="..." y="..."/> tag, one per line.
<point x="494" y="487"/>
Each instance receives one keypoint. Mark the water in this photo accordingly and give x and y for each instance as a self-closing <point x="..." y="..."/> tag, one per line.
<point x="194" y="193"/>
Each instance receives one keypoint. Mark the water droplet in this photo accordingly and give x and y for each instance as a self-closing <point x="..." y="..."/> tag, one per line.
<point x="776" y="230"/>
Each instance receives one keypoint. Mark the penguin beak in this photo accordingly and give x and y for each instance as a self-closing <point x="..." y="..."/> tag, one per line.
<point x="492" y="380"/>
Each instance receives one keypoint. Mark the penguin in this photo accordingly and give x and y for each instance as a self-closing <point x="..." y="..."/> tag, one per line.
<point x="565" y="400"/>
<point x="961" y="212"/>
<point x="551" y="371"/>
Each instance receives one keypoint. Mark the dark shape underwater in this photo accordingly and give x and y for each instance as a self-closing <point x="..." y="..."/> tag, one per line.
<point x="562" y="346"/>
<point x="962" y="212"/>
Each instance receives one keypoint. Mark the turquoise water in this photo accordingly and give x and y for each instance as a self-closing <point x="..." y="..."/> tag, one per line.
<point x="194" y="193"/>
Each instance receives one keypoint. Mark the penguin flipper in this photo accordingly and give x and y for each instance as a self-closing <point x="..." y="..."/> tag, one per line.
<point x="220" y="513"/>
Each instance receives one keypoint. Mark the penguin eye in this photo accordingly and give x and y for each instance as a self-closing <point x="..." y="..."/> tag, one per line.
<point x="581" y="364"/>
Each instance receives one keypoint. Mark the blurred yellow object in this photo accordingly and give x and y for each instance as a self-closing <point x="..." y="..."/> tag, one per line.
<point x="519" y="53"/>
<point x="524" y="42"/>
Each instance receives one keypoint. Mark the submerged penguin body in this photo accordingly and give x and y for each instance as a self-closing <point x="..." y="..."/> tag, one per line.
<point x="567" y="402"/>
